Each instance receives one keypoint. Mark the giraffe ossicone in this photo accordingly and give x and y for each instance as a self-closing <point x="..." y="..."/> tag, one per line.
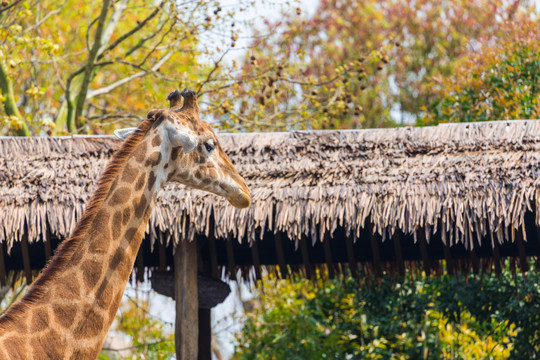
<point x="67" y="311"/>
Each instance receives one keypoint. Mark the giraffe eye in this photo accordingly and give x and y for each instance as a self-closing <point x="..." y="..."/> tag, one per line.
<point x="210" y="146"/>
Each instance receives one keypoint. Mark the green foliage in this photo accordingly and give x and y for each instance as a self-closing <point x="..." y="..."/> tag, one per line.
<point x="149" y="336"/>
<point x="420" y="318"/>
<point x="59" y="74"/>
<point x="499" y="81"/>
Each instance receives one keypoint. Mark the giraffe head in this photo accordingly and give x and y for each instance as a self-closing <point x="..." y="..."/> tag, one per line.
<point x="189" y="151"/>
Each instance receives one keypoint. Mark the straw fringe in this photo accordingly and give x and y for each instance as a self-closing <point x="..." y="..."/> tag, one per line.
<point x="465" y="180"/>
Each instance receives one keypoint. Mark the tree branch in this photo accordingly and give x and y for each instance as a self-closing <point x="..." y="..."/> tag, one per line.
<point x="111" y="25"/>
<point x="127" y="79"/>
<point x="81" y="98"/>
<point x="132" y="31"/>
<point x="43" y="19"/>
<point x="10" y="106"/>
<point x="216" y="66"/>
<point x="10" y="6"/>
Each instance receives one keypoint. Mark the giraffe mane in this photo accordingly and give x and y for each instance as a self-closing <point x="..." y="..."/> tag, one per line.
<point x="68" y="247"/>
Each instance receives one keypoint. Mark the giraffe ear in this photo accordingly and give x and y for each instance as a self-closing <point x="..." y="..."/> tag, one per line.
<point x="124" y="133"/>
<point x="183" y="138"/>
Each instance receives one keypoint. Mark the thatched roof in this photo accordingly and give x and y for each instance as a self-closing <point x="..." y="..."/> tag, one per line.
<point x="471" y="178"/>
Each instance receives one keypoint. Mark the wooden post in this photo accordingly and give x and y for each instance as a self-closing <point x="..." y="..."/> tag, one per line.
<point x="353" y="266"/>
<point x="162" y="253"/>
<point x="230" y="257"/>
<point x="328" y="256"/>
<point x="205" y="334"/>
<point x="256" y="259"/>
<point x="375" y="253"/>
<point x="305" y="257"/>
<point x="26" y="256"/>
<point x="187" y="301"/>
<point x="421" y="234"/>
<point x="47" y="245"/>
<point x="521" y="251"/>
<point x="280" y="255"/>
<point x="3" y="277"/>
<point x="397" y="251"/>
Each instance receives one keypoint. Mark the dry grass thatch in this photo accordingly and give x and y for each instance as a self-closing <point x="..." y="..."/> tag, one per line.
<point x="471" y="178"/>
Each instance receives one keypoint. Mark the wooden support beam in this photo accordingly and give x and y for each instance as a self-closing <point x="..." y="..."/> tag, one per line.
<point x="474" y="261"/>
<point x="353" y="266"/>
<point x="47" y="245"/>
<point x="3" y="274"/>
<point x="214" y="269"/>
<point x="256" y="259"/>
<point x="205" y="334"/>
<point x="140" y="265"/>
<point x="449" y="260"/>
<point x="162" y="253"/>
<point x="421" y="235"/>
<point x="187" y="301"/>
<point x="496" y="255"/>
<point x="538" y="240"/>
<point x="230" y="258"/>
<point x="524" y="265"/>
<point x="375" y="253"/>
<point x="328" y="256"/>
<point x="305" y="257"/>
<point x="280" y="255"/>
<point x="399" y="255"/>
<point x="26" y="256"/>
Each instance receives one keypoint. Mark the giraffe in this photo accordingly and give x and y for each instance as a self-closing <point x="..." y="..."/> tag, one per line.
<point x="67" y="312"/>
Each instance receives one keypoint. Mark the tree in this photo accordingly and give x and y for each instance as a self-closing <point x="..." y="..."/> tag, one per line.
<point x="415" y="317"/>
<point x="71" y="66"/>
<point x="353" y="62"/>
<point x="500" y="79"/>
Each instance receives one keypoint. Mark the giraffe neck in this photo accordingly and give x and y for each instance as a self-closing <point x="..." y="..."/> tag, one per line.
<point x="70" y="308"/>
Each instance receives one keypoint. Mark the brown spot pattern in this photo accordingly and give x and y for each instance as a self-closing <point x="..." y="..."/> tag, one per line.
<point x="16" y="343"/>
<point x="156" y="141"/>
<point x="68" y="288"/>
<point x="90" y="326"/>
<point x="130" y="233"/>
<point x="129" y="174"/>
<point x="87" y="353"/>
<point x="151" y="180"/>
<point x="52" y="345"/>
<point x="91" y="270"/>
<point x="120" y="262"/>
<point x="140" y="152"/>
<point x="139" y="211"/>
<point x="64" y="314"/>
<point x="100" y="226"/>
<point x="153" y="159"/>
<point x="116" y="225"/>
<point x="40" y="320"/>
<point x="198" y="158"/>
<point x="120" y="196"/>
<point x="175" y="152"/>
<point x="115" y="303"/>
<point x="140" y="182"/>
<point x="104" y="295"/>
<point x="126" y="215"/>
